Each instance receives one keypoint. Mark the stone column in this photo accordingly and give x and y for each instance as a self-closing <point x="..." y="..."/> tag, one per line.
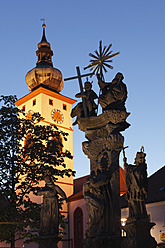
<point x="103" y="146"/>
<point x="102" y="188"/>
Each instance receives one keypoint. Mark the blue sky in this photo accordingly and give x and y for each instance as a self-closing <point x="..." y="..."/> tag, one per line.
<point x="74" y="29"/>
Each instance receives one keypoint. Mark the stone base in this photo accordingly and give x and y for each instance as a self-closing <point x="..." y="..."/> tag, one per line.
<point x="102" y="242"/>
<point x="49" y="241"/>
<point x="138" y="235"/>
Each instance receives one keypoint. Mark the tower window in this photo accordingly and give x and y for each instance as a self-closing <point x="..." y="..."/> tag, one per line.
<point x="34" y="102"/>
<point x="64" y="107"/>
<point x="50" y="102"/>
<point x="23" y="108"/>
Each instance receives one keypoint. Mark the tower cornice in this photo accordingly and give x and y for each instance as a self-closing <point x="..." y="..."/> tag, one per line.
<point x="41" y="90"/>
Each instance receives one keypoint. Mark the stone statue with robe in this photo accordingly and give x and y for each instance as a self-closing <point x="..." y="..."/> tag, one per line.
<point x="113" y="94"/>
<point x="136" y="180"/>
<point x="49" y="217"/>
<point x="138" y="225"/>
<point x="89" y="95"/>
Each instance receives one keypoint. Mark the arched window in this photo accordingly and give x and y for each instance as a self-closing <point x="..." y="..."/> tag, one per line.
<point x="78" y="228"/>
<point x="57" y="137"/>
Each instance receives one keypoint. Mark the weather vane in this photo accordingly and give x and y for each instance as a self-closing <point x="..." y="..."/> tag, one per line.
<point x="101" y="60"/>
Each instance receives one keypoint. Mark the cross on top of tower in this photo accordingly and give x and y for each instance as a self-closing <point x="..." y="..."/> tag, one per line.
<point x="43" y="22"/>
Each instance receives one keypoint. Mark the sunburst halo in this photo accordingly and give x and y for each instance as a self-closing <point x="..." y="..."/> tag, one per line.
<point x="101" y="60"/>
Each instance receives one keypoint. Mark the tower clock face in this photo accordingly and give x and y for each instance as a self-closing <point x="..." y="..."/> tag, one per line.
<point x="57" y="116"/>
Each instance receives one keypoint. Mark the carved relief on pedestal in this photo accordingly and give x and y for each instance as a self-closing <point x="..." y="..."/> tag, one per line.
<point x="95" y="149"/>
<point x="114" y="117"/>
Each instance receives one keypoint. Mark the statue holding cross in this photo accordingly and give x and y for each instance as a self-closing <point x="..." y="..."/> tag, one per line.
<point x="87" y="107"/>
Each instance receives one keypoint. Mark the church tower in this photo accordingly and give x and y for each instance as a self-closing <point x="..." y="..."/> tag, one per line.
<point x="45" y="83"/>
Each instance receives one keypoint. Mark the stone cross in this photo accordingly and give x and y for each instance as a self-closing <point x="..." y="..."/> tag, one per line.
<point x="79" y="76"/>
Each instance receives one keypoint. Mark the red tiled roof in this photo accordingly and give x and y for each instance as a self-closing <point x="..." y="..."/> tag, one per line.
<point x="76" y="196"/>
<point x="78" y="183"/>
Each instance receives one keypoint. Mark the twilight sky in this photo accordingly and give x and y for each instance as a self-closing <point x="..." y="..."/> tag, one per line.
<point x="74" y="29"/>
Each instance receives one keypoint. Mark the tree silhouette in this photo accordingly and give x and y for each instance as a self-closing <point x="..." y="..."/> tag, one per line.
<point x="28" y="152"/>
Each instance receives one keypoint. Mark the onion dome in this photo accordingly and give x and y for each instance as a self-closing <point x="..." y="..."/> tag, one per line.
<point x="44" y="73"/>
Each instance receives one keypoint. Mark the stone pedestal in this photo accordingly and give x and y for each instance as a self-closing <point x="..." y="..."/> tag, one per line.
<point x="138" y="235"/>
<point x="49" y="241"/>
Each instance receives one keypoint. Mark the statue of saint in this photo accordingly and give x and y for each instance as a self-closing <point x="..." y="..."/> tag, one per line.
<point x="97" y="194"/>
<point x="114" y="94"/>
<point x="49" y="217"/>
<point x="136" y="181"/>
<point x="91" y="106"/>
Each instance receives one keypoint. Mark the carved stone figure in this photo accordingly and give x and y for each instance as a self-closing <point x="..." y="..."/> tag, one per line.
<point x="138" y="225"/>
<point x="97" y="193"/>
<point x="114" y="94"/>
<point x="136" y="180"/>
<point x="49" y="218"/>
<point x="89" y="95"/>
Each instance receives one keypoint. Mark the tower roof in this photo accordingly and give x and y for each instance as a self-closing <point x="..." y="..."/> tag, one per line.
<point x="44" y="51"/>
<point x="44" y="43"/>
<point x="44" y="73"/>
<point x="43" y="35"/>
